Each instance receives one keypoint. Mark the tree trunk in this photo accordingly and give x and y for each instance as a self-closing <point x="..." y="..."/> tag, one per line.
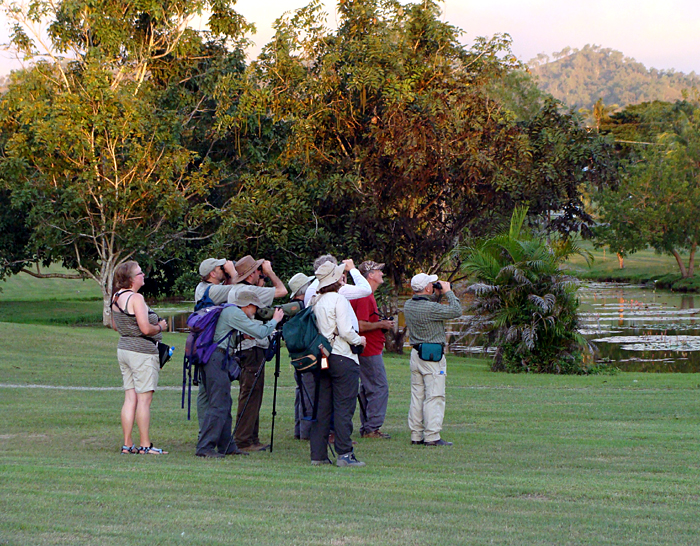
<point x="679" y="261"/>
<point x="394" y="338"/>
<point x="691" y="260"/>
<point x="621" y="260"/>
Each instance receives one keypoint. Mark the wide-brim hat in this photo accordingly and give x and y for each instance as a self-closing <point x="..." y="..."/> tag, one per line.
<point x="298" y="282"/>
<point x="367" y="266"/>
<point x="245" y="297"/>
<point x="329" y="273"/>
<point x="209" y="265"/>
<point x="247" y="265"/>
<point x="420" y="281"/>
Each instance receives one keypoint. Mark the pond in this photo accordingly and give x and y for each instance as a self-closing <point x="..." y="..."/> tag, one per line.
<point x="634" y="327"/>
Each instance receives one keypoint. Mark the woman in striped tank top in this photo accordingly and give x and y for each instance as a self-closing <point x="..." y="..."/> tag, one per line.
<point x="138" y="356"/>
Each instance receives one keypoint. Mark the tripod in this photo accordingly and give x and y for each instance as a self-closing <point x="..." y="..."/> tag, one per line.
<point x="275" y="340"/>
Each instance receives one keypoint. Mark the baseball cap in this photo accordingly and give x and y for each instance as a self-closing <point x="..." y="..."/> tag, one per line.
<point x="420" y="281"/>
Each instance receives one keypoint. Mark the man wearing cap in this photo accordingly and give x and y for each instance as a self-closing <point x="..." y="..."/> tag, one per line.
<point x="374" y="387"/>
<point x="218" y="277"/>
<point x="425" y="319"/>
<point x="297" y="288"/>
<point x="251" y="274"/>
<point x="215" y="436"/>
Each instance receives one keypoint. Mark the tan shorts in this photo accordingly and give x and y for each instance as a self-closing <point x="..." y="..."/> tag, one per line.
<point x="139" y="370"/>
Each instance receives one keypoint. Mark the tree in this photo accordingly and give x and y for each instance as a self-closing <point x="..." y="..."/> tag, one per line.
<point x="657" y="203"/>
<point x="93" y="152"/>
<point x="390" y="115"/>
<point x="523" y="301"/>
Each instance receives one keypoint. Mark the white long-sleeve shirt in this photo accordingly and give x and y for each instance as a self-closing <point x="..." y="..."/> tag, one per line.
<point x="360" y="289"/>
<point x="335" y="318"/>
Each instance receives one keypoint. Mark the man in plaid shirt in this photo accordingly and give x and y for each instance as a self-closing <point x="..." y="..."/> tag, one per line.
<point x="425" y="319"/>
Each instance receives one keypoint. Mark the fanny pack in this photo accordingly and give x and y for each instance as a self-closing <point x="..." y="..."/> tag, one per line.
<point x="432" y="352"/>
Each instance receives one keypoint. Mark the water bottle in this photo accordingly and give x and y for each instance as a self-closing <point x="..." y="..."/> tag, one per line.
<point x="171" y="351"/>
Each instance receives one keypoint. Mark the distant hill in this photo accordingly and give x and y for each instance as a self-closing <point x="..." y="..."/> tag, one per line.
<point x="579" y="78"/>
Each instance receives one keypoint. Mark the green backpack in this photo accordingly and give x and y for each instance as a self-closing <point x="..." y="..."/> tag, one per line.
<point x="306" y="345"/>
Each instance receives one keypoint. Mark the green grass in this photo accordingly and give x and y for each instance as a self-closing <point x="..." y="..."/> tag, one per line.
<point x="641" y="267"/>
<point x="537" y="460"/>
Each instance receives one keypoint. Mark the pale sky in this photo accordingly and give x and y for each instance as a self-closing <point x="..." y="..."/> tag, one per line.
<point x="659" y="34"/>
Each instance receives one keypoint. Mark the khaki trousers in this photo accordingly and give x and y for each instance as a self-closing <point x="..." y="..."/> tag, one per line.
<point x="427" y="409"/>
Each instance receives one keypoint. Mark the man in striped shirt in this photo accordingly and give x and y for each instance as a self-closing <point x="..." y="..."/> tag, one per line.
<point x="425" y="319"/>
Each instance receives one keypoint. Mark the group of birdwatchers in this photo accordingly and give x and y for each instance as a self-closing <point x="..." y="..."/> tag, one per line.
<point x="346" y="314"/>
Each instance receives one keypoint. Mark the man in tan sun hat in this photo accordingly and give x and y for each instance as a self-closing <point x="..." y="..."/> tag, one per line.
<point x="251" y="276"/>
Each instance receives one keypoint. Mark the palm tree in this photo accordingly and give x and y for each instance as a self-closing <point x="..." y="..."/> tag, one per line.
<point x="524" y="302"/>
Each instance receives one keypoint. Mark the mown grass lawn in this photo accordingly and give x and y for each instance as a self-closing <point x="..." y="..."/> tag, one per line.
<point x="537" y="460"/>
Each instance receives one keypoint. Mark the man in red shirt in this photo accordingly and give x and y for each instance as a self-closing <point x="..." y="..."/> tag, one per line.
<point x="374" y="387"/>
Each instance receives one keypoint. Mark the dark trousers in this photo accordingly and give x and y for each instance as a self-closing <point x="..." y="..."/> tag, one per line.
<point x="338" y="396"/>
<point x="302" y="419"/>
<point x="216" y="425"/>
<point x="249" y="420"/>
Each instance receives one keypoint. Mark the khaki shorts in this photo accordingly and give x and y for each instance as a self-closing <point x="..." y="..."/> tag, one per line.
<point x="139" y="370"/>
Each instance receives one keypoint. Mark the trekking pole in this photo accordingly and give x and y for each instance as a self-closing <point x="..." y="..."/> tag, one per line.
<point x="245" y="406"/>
<point x="278" y="335"/>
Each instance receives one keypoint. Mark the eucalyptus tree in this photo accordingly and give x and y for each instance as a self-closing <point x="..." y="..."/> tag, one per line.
<point x="93" y="149"/>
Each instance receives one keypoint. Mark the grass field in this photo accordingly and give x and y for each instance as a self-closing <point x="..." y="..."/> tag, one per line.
<point x="537" y="460"/>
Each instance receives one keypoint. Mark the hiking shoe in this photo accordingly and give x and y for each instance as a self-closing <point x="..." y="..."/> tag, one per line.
<point x="256" y="447"/>
<point x="319" y="463"/>
<point x="376" y="434"/>
<point x="348" y="460"/>
<point x="233" y="450"/>
<point x="417" y="442"/>
<point x="210" y="455"/>
<point x="439" y="442"/>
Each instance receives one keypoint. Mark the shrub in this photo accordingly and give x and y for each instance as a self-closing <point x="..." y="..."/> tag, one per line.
<point x="524" y="302"/>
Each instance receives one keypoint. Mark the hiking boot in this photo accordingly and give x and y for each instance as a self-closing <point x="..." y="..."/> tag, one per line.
<point x="256" y="447"/>
<point x="210" y="455"/>
<point x="319" y="463"/>
<point x="348" y="460"/>
<point x="376" y="434"/>
<point x="417" y="442"/>
<point x="233" y="450"/>
<point x="439" y="442"/>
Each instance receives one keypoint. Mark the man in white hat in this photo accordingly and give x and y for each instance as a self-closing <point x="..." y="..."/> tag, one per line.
<point x="215" y="436"/>
<point x="425" y="319"/>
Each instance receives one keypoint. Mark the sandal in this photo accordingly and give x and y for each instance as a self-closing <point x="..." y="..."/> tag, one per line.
<point x="150" y="450"/>
<point x="126" y="450"/>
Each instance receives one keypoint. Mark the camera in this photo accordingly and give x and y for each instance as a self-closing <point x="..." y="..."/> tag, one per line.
<point x="385" y="318"/>
<point x="357" y="349"/>
<point x="437" y="285"/>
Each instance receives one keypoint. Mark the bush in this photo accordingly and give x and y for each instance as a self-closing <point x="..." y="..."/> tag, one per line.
<point x="524" y="302"/>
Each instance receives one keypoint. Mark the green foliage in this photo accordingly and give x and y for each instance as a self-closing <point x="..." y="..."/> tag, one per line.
<point x="391" y="115"/>
<point x="579" y="78"/>
<point x="100" y="152"/>
<point x="658" y="200"/>
<point x="524" y="302"/>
